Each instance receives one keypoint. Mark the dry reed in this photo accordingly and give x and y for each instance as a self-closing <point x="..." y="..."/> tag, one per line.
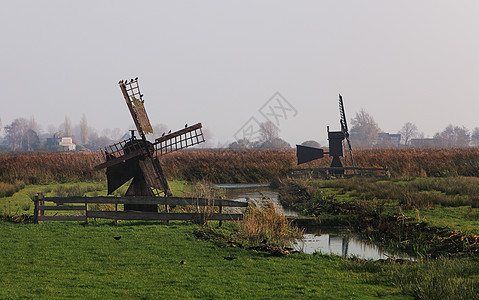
<point x="263" y="224"/>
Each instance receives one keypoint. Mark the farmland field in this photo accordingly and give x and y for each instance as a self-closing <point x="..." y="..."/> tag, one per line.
<point x="429" y="208"/>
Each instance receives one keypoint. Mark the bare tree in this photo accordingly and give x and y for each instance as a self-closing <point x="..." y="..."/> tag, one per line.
<point x="158" y="130"/>
<point x="67" y="127"/>
<point x="364" y="130"/>
<point x="408" y="132"/>
<point x="209" y="137"/>
<point x="20" y="137"/>
<point x="116" y="134"/>
<point x="240" y="144"/>
<point x="475" y="136"/>
<point x="268" y="131"/>
<point x="33" y="125"/>
<point x="311" y="143"/>
<point x="453" y="136"/>
<point x="14" y="133"/>
<point x="84" y="130"/>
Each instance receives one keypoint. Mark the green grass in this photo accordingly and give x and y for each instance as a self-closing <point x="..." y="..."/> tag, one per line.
<point x="461" y="219"/>
<point x="67" y="260"/>
<point x="442" y="202"/>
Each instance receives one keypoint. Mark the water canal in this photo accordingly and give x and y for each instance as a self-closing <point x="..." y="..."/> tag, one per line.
<point x="336" y="241"/>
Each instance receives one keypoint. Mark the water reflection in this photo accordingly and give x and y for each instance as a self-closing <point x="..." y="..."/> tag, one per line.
<point x="255" y="193"/>
<point x="323" y="240"/>
<point x="343" y="244"/>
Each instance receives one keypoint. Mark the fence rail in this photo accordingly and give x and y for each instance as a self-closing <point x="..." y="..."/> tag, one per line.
<point x="336" y="171"/>
<point x="83" y="202"/>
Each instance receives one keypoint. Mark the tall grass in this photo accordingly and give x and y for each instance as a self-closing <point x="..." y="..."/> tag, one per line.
<point x="438" y="279"/>
<point x="263" y="224"/>
<point x="49" y="168"/>
<point x="8" y="189"/>
<point x="238" y="166"/>
<point x="414" y="193"/>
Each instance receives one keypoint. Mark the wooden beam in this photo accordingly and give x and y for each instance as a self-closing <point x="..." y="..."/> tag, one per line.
<point x="61" y="218"/>
<point x="150" y="216"/>
<point x="177" y="133"/>
<point x="62" y="207"/>
<point x="148" y="200"/>
<point x="118" y="160"/>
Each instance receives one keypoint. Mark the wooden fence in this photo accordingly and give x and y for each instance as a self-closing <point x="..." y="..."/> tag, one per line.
<point x="77" y="203"/>
<point x="336" y="172"/>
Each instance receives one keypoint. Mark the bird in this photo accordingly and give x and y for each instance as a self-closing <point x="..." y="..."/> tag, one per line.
<point x="121" y="81"/>
<point x="131" y="80"/>
<point x="117" y="237"/>
<point x="169" y="132"/>
<point x="136" y="78"/>
<point x="230" y="257"/>
<point x="186" y="125"/>
<point x="163" y="134"/>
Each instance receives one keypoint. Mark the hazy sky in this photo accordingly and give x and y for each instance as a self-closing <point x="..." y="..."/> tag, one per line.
<point x="219" y="62"/>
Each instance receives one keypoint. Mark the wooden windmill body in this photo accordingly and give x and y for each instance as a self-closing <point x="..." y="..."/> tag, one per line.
<point x="138" y="158"/>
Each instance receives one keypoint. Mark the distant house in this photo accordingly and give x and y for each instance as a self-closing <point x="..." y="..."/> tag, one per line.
<point x="386" y="139"/>
<point x="60" y="143"/>
<point x="424" y="143"/>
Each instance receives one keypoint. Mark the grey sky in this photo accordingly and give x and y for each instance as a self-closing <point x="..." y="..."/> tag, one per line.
<point x="218" y="62"/>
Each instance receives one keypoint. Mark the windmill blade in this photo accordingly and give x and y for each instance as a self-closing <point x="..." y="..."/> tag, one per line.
<point x="344" y="129"/>
<point x="133" y="97"/>
<point x="121" y="152"/>
<point x="180" y="139"/>
<point x="342" y="117"/>
<point x="154" y="176"/>
<point x="306" y="154"/>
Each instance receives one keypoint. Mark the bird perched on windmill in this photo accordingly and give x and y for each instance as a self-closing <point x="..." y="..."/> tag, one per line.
<point x="137" y="158"/>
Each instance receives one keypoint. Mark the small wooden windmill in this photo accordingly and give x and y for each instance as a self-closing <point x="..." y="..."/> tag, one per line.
<point x="137" y="158"/>
<point x="336" y="151"/>
<point x="336" y="138"/>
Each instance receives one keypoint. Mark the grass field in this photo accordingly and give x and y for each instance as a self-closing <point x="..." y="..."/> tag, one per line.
<point x="69" y="260"/>
<point x="61" y="260"/>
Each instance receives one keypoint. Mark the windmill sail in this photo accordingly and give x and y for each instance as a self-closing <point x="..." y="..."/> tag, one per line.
<point x="133" y="97"/>
<point x="306" y="154"/>
<point x="180" y="139"/>
<point x="344" y="128"/>
<point x="142" y="116"/>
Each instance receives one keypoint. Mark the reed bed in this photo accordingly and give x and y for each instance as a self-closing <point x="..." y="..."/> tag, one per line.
<point x="8" y="189"/>
<point x="48" y="168"/>
<point x="238" y="166"/>
<point x="263" y="224"/>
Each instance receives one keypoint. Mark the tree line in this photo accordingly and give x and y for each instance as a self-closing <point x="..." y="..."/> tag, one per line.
<point x="366" y="133"/>
<point x="27" y="135"/>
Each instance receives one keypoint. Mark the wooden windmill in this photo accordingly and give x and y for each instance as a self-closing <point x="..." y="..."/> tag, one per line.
<point x="335" y="138"/>
<point x="137" y="158"/>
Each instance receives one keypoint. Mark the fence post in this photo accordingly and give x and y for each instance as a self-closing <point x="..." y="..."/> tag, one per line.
<point x="42" y="203"/>
<point x="35" y="210"/>
<point x="221" y="212"/>
<point x="86" y="213"/>
<point x="116" y="209"/>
